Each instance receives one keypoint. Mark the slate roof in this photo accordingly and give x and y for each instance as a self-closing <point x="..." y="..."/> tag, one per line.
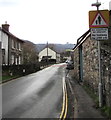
<point x="10" y="34"/>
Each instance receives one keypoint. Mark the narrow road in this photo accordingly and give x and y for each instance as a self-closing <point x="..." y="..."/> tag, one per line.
<point x="38" y="95"/>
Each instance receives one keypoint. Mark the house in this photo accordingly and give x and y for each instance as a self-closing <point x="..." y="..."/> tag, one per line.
<point x="48" y="54"/>
<point x="12" y="50"/>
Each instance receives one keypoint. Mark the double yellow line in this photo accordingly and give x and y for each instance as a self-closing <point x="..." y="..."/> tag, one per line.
<point x="65" y="102"/>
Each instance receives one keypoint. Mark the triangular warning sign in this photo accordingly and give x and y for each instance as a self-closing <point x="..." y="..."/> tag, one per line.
<point x="99" y="21"/>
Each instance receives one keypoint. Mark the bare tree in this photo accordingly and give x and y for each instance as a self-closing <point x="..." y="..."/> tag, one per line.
<point x="30" y="53"/>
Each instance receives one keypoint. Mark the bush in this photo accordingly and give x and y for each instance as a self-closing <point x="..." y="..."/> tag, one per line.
<point x="19" y="69"/>
<point x="107" y="111"/>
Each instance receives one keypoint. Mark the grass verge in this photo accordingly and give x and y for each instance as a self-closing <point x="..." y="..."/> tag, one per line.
<point x="106" y="111"/>
<point x="8" y="77"/>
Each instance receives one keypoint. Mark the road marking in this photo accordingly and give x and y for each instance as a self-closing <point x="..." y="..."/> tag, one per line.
<point x="65" y="100"/>
<point x="63" y="104"/>
<point x="66" y="106"/>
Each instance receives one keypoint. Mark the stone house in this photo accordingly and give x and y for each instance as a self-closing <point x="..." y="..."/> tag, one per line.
<point x="86" y="64"/>
<point x="12" y="50"/>
<point x="51" y="54"/>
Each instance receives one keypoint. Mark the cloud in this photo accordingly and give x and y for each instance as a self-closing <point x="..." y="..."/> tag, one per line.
<point x="8" y="3"/>
<point x="48" y="20"/>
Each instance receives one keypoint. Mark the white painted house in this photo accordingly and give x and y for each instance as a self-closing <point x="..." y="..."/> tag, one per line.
<point x="50" y="54"/>
<point x="4" y="46"/>
<point x="12" y="50"/>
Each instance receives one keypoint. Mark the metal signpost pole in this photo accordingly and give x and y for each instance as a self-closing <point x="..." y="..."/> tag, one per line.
<point x="99" y="58"/>
<point x="100" y="79"/>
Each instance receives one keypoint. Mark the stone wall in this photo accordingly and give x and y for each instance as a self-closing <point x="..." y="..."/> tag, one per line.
<point x="106" y="67"/>
<point x="106" y="73"/>
<point x="90" y="63"/>
<point x="76" y="64"/>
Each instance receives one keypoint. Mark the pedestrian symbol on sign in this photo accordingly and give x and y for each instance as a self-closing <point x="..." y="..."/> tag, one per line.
<point x="99" y="21"/>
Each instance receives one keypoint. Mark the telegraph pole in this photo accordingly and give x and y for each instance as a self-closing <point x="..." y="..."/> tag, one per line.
<point x="100" y="86"/>
<point x="47" y="54"/>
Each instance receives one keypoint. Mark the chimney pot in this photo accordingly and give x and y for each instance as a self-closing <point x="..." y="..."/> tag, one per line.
<point x="5" y="26"/>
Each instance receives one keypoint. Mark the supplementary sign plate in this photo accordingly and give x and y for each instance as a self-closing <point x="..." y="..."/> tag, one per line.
<point x="99" y="33"/>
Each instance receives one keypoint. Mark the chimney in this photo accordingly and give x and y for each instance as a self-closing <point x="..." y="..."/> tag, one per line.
<point x="110" y="5"/>
<point x="5" y="26"/>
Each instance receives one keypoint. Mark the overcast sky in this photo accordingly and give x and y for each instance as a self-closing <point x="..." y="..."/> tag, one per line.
<point x="55" y="21"/>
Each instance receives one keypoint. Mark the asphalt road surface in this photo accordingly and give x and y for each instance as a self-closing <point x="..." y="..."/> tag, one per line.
<point x="38" y="95"/>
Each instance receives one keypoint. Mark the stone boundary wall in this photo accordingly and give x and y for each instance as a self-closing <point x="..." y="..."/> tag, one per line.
<point x="76" y="64"/>
<point x="90" y="64"/>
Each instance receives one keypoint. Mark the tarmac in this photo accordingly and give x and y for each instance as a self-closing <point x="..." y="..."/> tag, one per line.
<point x="84" y="105"/>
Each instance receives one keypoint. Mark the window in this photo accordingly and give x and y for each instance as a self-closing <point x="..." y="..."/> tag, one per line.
<point x="3" y="56"/>
<point x="19" y="46"/>
<point x="12" y="59"/>
<point x="13" y="43"/>
<point x="19" y="60"/>
<point x="16" y="61"/>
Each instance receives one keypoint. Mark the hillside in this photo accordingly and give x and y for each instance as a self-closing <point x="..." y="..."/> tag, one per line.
<point x="57" y="47"/>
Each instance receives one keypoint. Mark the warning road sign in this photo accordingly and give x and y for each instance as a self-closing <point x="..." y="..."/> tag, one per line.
<point x="99" y="19"/>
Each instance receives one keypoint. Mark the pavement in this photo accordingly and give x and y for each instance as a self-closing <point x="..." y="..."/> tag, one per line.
<point x="84" y="106"/>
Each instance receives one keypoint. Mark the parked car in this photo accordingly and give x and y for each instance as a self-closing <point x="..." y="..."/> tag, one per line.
<point x="67" y="61"/>
<point x="70" y="65"/>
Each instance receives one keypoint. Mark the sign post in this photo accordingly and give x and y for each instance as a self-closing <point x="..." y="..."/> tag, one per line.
<point x="99" y="23"/>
